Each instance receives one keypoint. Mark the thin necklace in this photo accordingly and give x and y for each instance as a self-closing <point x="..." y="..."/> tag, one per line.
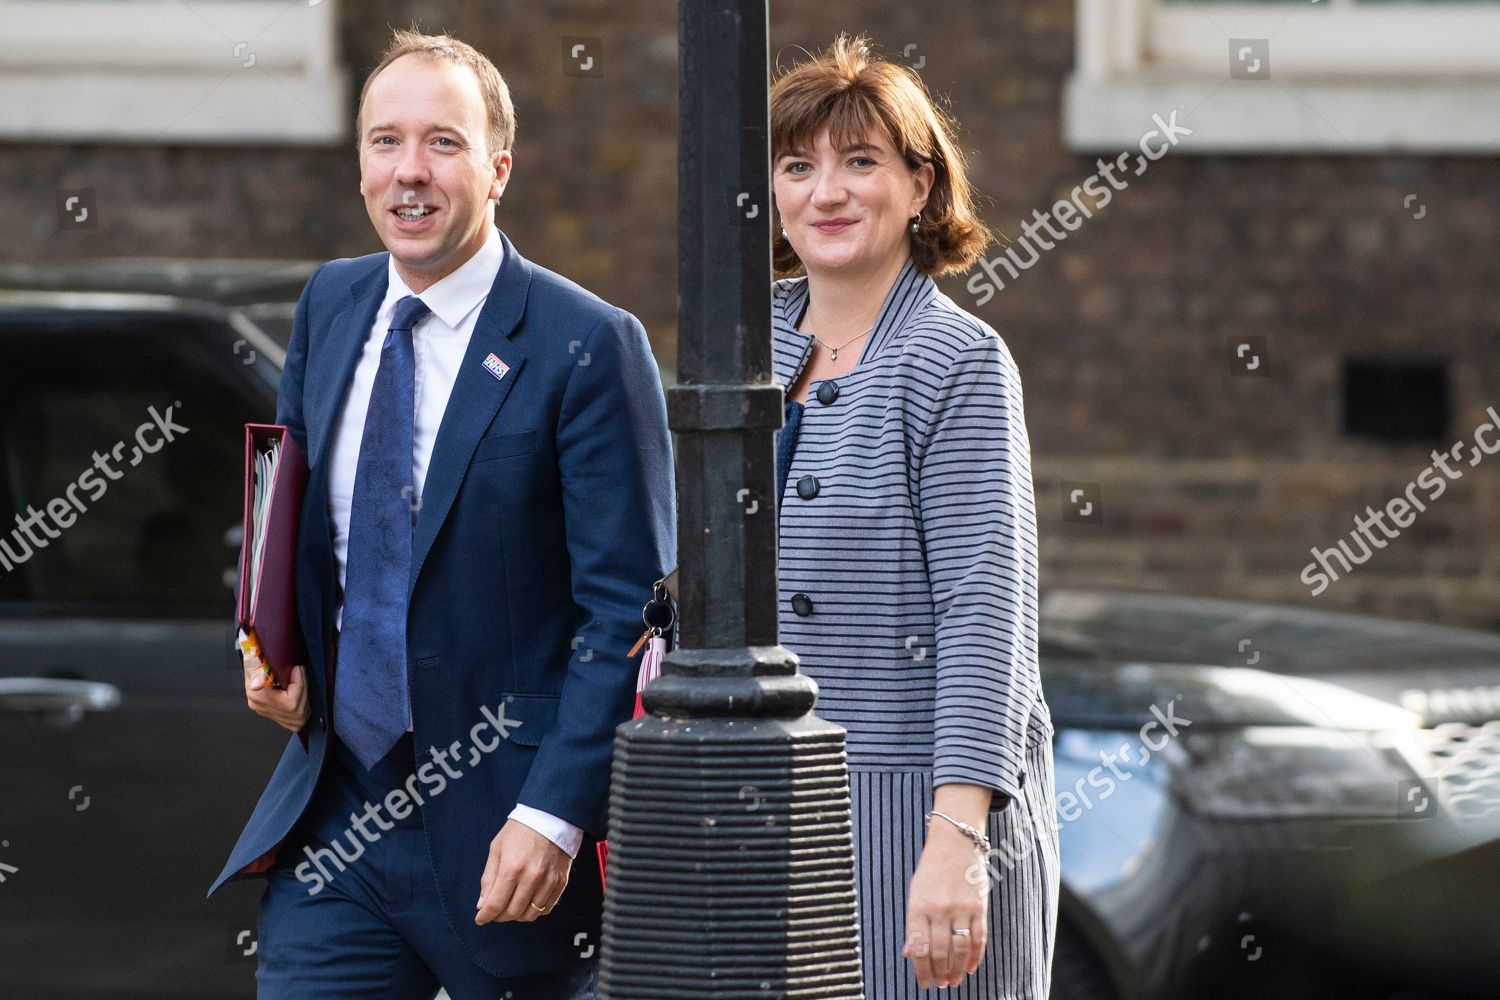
<point x="834" y="351"/>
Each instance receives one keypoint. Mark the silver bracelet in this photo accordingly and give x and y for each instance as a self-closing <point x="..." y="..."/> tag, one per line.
<point x="981" y="841"/>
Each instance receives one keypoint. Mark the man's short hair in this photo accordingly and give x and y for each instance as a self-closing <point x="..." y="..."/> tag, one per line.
<point x="500" y="114"/>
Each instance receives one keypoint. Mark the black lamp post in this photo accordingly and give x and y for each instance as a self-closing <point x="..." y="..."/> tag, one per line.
<point x="731" y="865"/>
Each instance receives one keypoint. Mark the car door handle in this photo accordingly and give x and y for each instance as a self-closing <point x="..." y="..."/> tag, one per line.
<point x="54" y="695"/>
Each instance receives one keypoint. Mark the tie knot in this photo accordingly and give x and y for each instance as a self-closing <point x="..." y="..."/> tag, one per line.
<point x="409" y="312"/>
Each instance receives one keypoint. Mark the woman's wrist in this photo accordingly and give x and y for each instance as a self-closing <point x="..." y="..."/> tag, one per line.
<point x="947" y="838"/>
<point x="952" y="831"/>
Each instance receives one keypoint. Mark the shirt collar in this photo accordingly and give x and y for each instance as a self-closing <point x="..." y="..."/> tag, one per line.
<point x="452" y="297"/>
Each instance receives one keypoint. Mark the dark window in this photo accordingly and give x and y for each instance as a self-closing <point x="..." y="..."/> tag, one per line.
<point x="153" y="540"/>
<point x="1399" y="398"/>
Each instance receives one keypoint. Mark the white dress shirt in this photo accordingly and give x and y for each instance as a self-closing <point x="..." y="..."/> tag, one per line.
<point x="439" y="341"/>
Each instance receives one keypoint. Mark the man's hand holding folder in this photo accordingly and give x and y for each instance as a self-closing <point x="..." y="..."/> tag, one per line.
<point x="286" y="706"/>
<point x="270" y="636"/>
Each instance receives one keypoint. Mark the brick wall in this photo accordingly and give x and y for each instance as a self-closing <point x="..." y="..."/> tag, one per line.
<point x="1207" y="481"/>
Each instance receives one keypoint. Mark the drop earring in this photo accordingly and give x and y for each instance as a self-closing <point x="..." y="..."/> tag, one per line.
<point x="915" y="228"/>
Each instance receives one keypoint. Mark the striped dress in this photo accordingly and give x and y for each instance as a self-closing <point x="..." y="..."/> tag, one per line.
<point x="907" y="586"/>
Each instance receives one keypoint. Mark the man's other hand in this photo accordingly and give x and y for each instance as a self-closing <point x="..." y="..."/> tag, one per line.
<point x="524" y="867"/>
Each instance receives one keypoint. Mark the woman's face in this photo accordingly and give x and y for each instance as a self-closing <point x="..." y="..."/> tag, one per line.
<point x="848" y="210"/>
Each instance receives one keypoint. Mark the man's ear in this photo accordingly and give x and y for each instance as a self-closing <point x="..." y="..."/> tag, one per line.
<point x="502" y="163"/>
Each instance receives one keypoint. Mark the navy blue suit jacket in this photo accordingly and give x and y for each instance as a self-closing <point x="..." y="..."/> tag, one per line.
<point x="547" y="513"/>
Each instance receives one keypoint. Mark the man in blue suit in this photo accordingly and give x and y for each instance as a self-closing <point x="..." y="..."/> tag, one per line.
<point x="489" y="501"/>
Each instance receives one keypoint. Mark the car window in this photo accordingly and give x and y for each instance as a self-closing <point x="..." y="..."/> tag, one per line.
<point x="275" y="319"/>
<point x="123" y="460"/>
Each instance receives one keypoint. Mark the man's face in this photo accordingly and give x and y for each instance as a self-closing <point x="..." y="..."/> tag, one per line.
<point x="423" y="154"/>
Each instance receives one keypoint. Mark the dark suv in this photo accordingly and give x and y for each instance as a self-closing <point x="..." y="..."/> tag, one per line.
<point x="128" y="759"/>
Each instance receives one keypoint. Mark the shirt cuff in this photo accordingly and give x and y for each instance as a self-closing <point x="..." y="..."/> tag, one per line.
<point x="562" y="833"/>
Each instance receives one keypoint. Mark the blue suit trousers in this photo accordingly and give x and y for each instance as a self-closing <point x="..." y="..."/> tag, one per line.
<point x="346" y="915"/>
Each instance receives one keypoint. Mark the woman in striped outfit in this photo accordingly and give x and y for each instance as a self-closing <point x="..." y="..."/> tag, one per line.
<point x="908" y="576"/>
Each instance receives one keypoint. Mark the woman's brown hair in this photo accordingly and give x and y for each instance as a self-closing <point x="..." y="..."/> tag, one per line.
<point x="852" y="92"/>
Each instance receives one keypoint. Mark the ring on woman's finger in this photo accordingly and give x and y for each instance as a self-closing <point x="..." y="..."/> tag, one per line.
<point x="962" y="932"/>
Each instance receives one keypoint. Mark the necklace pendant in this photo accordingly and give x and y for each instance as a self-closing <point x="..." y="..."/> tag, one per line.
<point x="834" y="356"/>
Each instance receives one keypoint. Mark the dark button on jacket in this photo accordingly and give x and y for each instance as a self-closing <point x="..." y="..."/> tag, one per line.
<point x="807" y="487"/>
<point x="828" y="392"/>
<point x="802" y="604"/>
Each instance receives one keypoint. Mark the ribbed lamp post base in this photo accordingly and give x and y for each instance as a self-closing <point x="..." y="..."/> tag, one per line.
<point x="731" y="864"/>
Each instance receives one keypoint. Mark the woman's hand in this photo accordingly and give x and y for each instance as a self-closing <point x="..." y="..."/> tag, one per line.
<point x="943" y="899"/>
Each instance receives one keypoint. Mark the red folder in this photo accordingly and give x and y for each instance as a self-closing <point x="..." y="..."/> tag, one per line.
<point x="268" y="609"/>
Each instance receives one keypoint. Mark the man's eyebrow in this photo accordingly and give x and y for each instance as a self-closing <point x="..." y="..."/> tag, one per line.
<point x="393" y="127"/>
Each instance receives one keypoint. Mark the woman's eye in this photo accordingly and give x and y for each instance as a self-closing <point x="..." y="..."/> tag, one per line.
<point x="862" y="161"/>
<point x="792" y="168"/>
<point x="447" y="140"/>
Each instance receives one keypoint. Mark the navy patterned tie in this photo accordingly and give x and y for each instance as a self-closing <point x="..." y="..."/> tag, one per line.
<point x="370" y="694"/>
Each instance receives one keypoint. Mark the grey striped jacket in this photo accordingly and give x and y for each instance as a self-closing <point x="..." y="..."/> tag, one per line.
<point x="907" y="586"/>
<point x="908" y="526"/>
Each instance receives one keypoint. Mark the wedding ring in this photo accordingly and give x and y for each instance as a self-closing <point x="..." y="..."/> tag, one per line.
<point x="962" y="931"/>
<point x="543" y="909"/>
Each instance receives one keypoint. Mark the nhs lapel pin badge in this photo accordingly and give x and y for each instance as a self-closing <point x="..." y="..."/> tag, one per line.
<point x="496" y="367"/>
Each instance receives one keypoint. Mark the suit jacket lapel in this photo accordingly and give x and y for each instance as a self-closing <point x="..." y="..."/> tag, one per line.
<point x="477" y="395"/>
<point x="908" y="295"/>
<point x="327" y="386"/>
<point x="786" y="309"/>
<point x="325" y="383"/>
